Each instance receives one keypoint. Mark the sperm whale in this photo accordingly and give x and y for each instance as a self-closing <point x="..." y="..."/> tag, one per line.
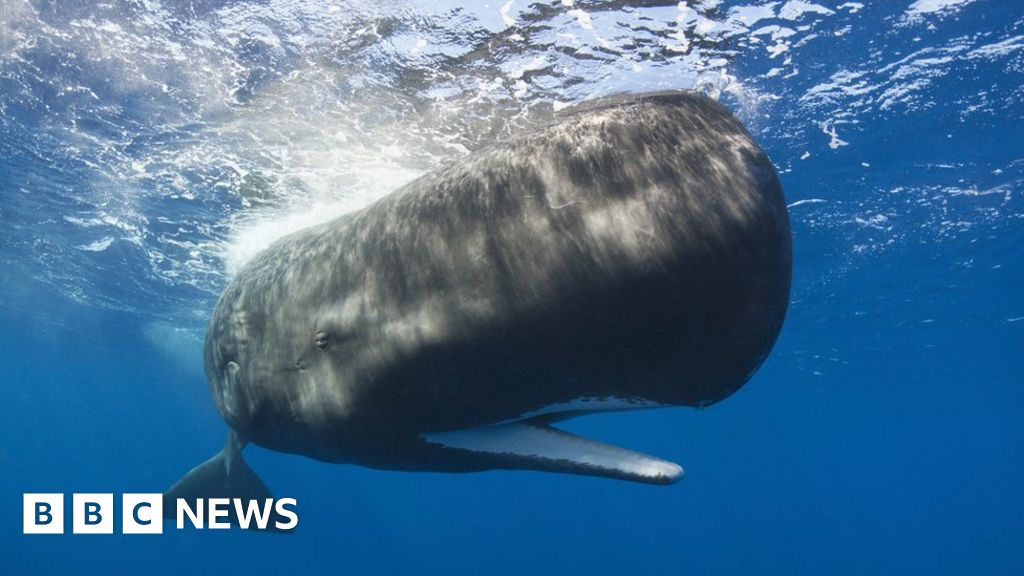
<point x="633" y="254"/>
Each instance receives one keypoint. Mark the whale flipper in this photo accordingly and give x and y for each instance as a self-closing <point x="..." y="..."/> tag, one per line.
<point x="225" y="475"/>
<point x="534" y="445"/>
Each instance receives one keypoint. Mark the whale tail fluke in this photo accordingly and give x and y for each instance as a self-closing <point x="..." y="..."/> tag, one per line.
<point x="225" y="475"/>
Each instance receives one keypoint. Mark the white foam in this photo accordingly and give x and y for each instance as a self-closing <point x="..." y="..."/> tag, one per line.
<point x="807" y="201"/>
<point x="257" y="235"/>
<point x="998" y="49"/>
<point x="933" y="6"/>
<point x="508" y="20"/>
<point x="582" y="18"/>
<point x="750" y="15"/>
<point x="835" y="141"/>
<point x="795" y="9"/>
<point x="256" y="232"/>
<point x="97" y="246"/>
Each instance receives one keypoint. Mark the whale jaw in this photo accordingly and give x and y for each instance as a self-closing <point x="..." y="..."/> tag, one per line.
<point x="534" y="445"/>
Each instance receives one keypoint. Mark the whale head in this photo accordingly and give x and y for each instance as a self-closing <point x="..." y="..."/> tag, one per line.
<point x="269" y="360"/>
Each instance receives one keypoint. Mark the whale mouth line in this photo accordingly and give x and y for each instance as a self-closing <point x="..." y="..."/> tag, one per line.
<point x="588" y="405"/>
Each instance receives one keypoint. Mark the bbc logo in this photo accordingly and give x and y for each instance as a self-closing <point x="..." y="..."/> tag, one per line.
<point x="93" y="513"/>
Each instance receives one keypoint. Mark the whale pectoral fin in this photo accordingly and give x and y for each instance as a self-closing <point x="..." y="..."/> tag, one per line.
<point x="536" y="446"/>
<point x="225" y="475"/>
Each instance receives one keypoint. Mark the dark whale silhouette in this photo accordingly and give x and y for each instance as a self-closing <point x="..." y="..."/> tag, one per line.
<point x="634" y="254"/>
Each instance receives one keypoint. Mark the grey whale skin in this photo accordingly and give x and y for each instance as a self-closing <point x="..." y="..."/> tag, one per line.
<point x="634" y="254"/>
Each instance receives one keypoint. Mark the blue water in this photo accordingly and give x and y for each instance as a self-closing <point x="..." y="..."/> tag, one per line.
<point x="147" y="149"/>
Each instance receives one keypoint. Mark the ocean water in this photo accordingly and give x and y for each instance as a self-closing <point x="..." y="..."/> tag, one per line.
<point x="148" y="149"/>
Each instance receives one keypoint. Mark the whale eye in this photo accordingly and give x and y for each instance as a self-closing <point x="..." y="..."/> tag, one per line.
<point x="321" y="340"/>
